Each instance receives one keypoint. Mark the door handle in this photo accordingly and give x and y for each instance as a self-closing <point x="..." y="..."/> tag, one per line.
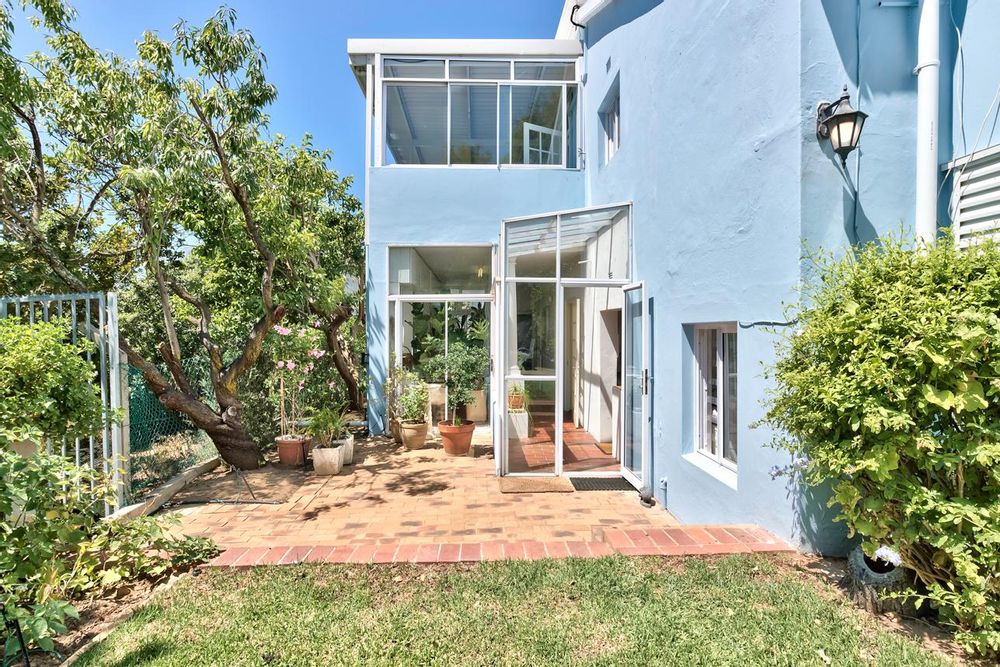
<point x="645" y="381"/>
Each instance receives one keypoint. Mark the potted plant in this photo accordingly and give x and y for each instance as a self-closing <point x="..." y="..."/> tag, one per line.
<point x="413" y="425"/>
<point x="294" y="352"/>
<point x="393" y="388"/>
<point x="327" y="428"/>
<point x="516" y="397"/>
<point x="463" y="368"/>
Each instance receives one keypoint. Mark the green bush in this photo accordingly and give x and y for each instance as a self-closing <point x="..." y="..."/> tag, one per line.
<point x="47" y="387"/>
<point x="57" y="547"/>
<point x="414" y="402"/>
<point x="889" y="391"/>
<point x="465" y="368"/>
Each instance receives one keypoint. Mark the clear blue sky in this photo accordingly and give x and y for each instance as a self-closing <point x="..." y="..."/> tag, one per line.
<point x="306" y="46"/>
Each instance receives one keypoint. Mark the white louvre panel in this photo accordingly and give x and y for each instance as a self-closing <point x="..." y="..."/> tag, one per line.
<point x="975" y="200"/>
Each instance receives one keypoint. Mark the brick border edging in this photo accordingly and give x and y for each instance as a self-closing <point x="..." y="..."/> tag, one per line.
<point x="680" y="541"/>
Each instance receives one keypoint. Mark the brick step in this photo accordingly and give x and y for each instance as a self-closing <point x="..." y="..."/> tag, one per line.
<point x="680" y="541"/>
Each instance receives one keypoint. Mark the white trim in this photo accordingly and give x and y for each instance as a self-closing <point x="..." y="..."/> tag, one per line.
<point x="589" y="9"/>
<point x="379" y="140"/>
<point x="465" y="47"/>
<point x="722" y="399"/>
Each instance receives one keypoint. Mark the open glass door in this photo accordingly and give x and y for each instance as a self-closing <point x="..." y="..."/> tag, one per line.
<point x="635" y="387"/>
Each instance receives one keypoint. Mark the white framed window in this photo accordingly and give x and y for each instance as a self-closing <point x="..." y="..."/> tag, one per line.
<point x="612" y="129"/>
<point x="500" y="112"/>
<point x="716" y="391"/>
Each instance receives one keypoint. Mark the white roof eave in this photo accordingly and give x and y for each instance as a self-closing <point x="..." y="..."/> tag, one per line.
<point x="359" y="51"/>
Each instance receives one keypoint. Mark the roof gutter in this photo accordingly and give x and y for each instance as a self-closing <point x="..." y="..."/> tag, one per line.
<point x="928" y="74"/>
<point x="588" y="9"/>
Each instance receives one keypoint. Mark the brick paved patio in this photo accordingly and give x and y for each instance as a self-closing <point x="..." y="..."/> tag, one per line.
<point x="423" y="506"/>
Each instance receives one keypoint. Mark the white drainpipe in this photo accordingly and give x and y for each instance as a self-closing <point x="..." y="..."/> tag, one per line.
<point x="928" y="73"/>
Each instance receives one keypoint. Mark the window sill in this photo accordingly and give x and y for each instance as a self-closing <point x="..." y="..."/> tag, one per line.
<point x="712" y="468"/>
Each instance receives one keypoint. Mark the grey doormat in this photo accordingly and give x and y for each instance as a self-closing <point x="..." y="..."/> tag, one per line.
<point x="535" y="485"/>
<point x="601" y="484"/>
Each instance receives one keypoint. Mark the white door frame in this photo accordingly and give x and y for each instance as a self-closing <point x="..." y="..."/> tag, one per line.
<point x="500" y="304"/>
<point x="641" y="480"/>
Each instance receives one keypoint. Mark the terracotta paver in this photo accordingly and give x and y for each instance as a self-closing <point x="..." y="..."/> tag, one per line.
<point x="423" y="506"/>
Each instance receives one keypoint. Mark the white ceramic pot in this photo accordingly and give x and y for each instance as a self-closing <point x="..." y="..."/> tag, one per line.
<point x="328" y="460"/>
<point x="347" y="444"/>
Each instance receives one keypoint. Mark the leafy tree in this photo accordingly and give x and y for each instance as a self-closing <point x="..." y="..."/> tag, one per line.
<point x="212" y="231"/>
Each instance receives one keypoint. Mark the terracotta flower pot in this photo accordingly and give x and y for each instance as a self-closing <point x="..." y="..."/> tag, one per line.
<point x="456" y="440"/>
<point x="292" y="449"/>
<point x="414" y="434"/>
<point x="328" y="460"/>
<point x="394" y="429"/>
<point x="515" y="401"/>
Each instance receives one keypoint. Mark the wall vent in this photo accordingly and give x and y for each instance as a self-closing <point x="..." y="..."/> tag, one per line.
<point x="974" y="207"/>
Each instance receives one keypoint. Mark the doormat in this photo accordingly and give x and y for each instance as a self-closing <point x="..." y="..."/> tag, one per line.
<point x="601" y="484"/>
<point x="535" y="485"/>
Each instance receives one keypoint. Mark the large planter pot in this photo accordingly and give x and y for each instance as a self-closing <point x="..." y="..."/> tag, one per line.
<point x="347" y="444"/>
<point x="292" y="449"/>
<point x="394" y="429"/>
<point x="476" y="411"/>
<point x="456" y="440"/>
<point x="414" y="434"/>
<point x="328" y="460"/>
<point x="870" y="582"/>
<point x="515" y="401"/>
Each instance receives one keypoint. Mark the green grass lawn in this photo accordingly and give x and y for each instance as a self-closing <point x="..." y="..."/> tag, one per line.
<point x="736" y="610"/>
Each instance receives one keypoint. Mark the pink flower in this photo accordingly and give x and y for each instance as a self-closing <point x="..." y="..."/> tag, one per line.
<point x="317" y="324"/>
<point x="290" y="364"/>
<point x="316" y="354"/>
<point x="281" y="364"/>
<point x="302" y="383"/>
<point x="281" y="331"/>
<point x="330" y="385"/>
<point x="302" y="333"/>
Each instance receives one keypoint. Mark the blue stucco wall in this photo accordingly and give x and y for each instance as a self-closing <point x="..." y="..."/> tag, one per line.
<point x="732" y="192"/>
<point x="427" y="206"/>
<point x="710" y="157"/>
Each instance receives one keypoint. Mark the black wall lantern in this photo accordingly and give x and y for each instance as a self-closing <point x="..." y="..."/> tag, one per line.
<point x="841" y="124"/>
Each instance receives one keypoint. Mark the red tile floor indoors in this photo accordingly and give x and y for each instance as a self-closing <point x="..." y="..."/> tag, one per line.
<point x="421" y="506"/>
<point x="581" y="452"/>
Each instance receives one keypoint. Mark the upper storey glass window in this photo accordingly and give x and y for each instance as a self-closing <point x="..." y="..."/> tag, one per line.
<point x="485" y="112"/>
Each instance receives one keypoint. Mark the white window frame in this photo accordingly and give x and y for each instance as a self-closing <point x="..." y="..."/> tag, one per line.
<point x="381" y="147"/>
<point x="702" y="444"/>
<point x="612" y="129"/>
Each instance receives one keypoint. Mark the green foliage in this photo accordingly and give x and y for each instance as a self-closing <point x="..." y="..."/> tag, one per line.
<point x="889" y="392"/>
<point x="395" y="385"/>
<point x="413" y="402"/>
<point x="465" y="368"/>
<point x="57" y="547"/>
<point x="327" y="424"/>
<point x="47" y="387"/>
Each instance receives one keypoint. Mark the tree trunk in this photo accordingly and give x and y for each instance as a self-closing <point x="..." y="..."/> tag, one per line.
<point x="341" y="357"/>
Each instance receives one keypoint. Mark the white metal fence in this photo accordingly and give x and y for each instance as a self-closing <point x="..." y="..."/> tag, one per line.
<point x="93" y="316"/>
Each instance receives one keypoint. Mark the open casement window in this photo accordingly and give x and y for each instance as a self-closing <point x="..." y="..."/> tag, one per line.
<point x="612" y="129"/>
<point x="542" y="145"/>
<point x="716" y="364"/>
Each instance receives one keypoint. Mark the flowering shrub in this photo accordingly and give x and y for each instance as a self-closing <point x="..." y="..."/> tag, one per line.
<point x="890" y="394"/>
<point x="297" y="352"/>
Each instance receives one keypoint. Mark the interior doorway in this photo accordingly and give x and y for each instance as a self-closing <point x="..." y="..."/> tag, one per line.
<point x="561" y="325"/>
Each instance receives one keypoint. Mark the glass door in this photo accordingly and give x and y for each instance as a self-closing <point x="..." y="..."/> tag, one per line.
<point x="635" y="387"/>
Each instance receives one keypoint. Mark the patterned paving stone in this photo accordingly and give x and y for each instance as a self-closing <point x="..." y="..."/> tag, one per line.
<point x="423" y="506"/>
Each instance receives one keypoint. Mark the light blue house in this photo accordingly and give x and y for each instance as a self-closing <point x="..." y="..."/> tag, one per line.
<point x="621" y="214"/>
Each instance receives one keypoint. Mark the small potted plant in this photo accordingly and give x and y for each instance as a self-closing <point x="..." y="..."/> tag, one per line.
<point x="463" y="368"/>
<point x="293" y="352"/>
<point x="515" y="397"/>
<point x="325" y="425"/>
<point x="413" y="424"/>
<point x="393" y="389"/>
